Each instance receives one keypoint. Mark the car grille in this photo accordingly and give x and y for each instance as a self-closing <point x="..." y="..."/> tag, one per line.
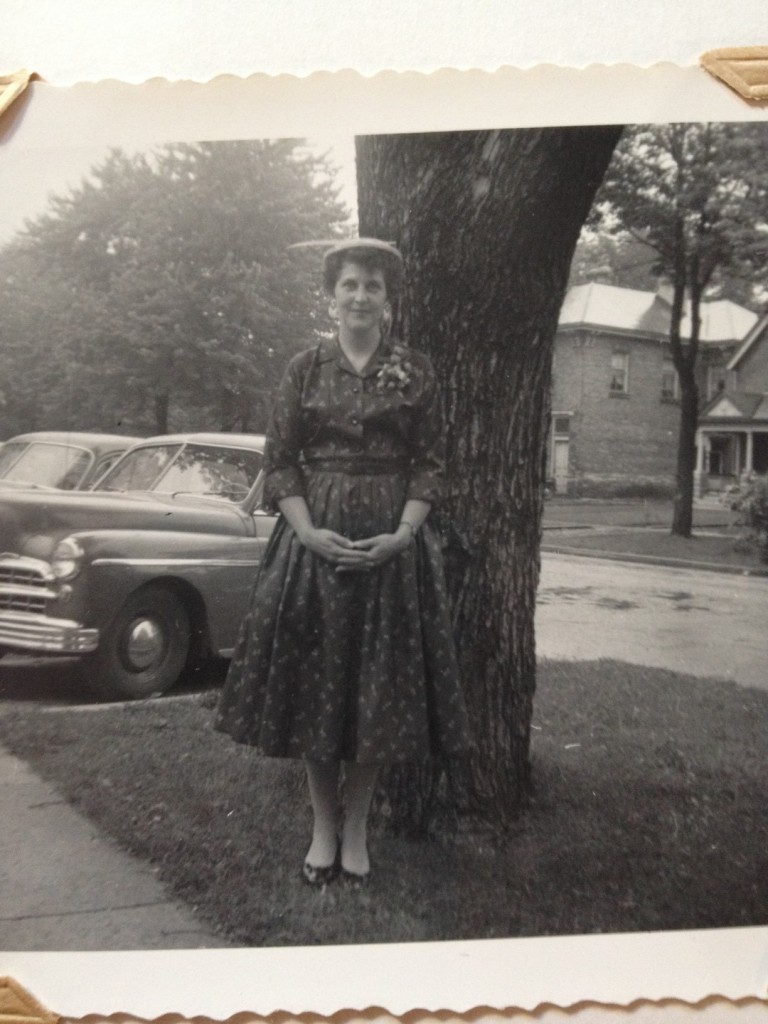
<point x="11" y="573"/>
<point x="23" y="586"/>
<point x="22" y="603"/>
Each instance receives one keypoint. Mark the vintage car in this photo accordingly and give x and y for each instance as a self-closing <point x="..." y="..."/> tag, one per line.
<point x="60" y="459"/>
<point x="145" y="576"/>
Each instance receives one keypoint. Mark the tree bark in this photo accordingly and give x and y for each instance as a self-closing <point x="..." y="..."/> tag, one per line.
<point x="682" y="514"/>
<point x="685" y="357"/>
<point x="487" y="223"/>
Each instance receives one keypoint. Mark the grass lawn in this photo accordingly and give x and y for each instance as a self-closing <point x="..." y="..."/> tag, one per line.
<point x="651" y="812"/>
<point x="719" y="550"/>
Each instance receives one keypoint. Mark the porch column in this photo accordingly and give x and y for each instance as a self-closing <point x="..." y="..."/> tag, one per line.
<point x="699" y="451"/>
<point x="749" y="459"/>
<point x="699" y="478"/>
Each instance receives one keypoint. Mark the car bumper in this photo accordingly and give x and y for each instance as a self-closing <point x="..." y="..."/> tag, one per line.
<point x="30" y="632"/>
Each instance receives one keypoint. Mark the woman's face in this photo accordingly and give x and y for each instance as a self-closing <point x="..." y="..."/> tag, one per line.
<point x="361" y="296"/>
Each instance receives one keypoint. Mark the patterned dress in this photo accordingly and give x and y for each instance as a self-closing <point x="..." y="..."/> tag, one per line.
<point x="356" y="666"/>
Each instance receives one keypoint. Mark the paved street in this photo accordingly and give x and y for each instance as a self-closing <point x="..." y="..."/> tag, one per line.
<point x="704" y="623"/>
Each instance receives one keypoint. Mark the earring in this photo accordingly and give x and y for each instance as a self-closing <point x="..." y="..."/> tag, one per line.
<point x="385" y="324"/>
<point x="333" y="310"/>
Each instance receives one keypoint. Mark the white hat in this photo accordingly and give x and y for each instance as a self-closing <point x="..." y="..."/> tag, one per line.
<point x="349" y="245"/>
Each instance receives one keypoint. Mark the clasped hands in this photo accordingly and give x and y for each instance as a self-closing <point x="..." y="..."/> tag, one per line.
<point x="355" y="555"/>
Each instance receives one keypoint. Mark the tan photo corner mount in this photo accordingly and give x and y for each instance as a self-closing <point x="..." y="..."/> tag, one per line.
<point x="12" y="86"/>
<point x="743" y="68"/>
<point x="17" y="1006"/>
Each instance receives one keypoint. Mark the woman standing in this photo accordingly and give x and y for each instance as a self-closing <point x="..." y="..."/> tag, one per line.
<point x="346" y="653"/>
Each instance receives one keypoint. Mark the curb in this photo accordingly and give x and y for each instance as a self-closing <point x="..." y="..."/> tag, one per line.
<point x="672" y="563"/>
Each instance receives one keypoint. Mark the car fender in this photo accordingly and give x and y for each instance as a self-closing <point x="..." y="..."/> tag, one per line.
<point x="213" y="573"/>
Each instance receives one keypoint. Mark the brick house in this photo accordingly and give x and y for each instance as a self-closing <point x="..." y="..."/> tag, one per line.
<point x="615" y="404"/>
<point x="732" y="438"/>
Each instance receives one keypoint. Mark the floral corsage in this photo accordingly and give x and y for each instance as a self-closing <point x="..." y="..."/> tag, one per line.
<point x="395" y="371"/>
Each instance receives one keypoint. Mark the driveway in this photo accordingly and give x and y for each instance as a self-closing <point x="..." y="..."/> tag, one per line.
<point x="702" y="623"/>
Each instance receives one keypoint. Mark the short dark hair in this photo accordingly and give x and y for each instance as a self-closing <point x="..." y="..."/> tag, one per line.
<point x="390" y="266"/>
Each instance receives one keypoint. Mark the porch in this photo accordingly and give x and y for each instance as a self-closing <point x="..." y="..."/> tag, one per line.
<point x="725" y="457"/>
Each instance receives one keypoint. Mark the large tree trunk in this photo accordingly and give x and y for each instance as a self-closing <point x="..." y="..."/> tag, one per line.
<point x="487" y="222"/>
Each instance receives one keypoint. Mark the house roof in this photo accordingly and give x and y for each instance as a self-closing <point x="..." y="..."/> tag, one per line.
<point x="626" y="310"/>
<point x="736" y="405"/>
<point x="753" y="335"/>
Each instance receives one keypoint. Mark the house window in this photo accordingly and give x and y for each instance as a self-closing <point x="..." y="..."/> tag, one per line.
<point x="670" y="385"/>
<point x="619" y="373"/>
<point x="561" y="425"/>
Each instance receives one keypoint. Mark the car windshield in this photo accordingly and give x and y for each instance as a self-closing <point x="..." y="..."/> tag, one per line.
<point x="189" y="469"/>
<point x="44" y="464"/>
<point x="8" y="455"/>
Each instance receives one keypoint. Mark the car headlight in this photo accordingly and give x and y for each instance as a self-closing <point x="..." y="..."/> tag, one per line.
<point x="67" y="559"/>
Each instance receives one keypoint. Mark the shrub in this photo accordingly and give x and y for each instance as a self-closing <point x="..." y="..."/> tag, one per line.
<point x="750" y="501"/>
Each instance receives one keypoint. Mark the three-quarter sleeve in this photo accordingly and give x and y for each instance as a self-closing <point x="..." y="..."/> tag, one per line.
<point x="283" y="476"/>
<point x="427" y="442"/>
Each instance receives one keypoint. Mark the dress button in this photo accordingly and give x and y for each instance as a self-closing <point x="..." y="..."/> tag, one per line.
<point x="354" y="421"/>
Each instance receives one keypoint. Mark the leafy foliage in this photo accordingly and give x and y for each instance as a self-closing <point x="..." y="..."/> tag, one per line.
<point x="613" y="258"/>
<point x="750" y="500"/>
<point x="160" y="294"/>
<point x="695" y="195"/>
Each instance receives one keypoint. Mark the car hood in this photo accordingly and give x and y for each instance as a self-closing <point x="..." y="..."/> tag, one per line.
<point x="25" y="515"/>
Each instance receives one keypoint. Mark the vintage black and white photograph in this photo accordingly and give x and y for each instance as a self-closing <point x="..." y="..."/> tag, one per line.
<point x="384" y="538"/>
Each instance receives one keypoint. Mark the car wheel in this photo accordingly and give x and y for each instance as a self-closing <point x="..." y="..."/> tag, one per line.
<point x="145" y="649"/>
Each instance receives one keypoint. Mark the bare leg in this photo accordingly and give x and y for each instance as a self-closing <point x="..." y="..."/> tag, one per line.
<point x="359" y="783"/>
<point x="323" y="779"/>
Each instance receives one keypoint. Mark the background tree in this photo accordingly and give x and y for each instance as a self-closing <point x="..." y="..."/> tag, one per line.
<point x="26" y="331"/>
<point x="614" y="258"/>
<point x="487" y="222"/>
<point x="160" y="293"/>
<point x="696" y="195"/>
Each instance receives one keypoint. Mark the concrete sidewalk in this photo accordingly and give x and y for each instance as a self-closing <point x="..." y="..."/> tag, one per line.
<point x="65" y="887"/>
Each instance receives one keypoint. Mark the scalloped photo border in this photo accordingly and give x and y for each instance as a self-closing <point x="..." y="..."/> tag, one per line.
<point x="17" y="1006"/>
<point x="719" y="986"/>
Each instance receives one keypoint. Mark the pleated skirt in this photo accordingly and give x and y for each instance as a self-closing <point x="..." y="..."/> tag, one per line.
<point x="349" y="666"/>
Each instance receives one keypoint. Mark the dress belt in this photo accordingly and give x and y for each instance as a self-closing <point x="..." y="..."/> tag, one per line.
<point x="356" y="467"/>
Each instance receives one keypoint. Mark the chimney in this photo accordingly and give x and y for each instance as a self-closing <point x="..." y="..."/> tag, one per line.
<point x="665" y="289"/>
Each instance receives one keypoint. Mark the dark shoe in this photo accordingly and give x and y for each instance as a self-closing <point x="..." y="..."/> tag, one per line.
<point x="353" y="879"/>
<point x="318" y="877"/>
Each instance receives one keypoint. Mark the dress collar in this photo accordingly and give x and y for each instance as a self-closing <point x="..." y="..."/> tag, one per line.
<point x="330" y="349"/>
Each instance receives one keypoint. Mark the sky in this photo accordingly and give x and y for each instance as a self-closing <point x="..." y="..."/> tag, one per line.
<point x="28" y="177"/>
